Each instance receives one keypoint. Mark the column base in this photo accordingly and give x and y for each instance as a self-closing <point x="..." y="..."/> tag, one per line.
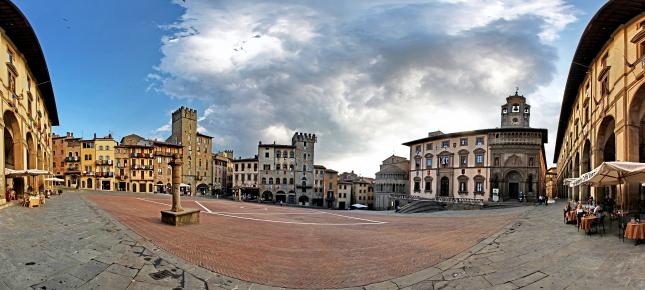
<point x="188" y="216"/>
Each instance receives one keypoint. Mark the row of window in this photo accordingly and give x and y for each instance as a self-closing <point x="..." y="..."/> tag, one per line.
<point x="241" y="166"/>
<point x="445" y="161"/>
<point x="277" y="180"/>
<point x="462" y="187"/>
<point x="282" y="154"/>
<point x="479" y="141"/>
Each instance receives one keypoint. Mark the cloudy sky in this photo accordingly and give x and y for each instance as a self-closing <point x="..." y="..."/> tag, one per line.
<point x="365" y="76"/>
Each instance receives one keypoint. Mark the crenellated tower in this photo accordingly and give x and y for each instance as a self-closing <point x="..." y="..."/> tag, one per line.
<point x="304" y="172"/>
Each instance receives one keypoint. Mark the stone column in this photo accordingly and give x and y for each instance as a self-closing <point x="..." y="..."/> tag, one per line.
<point x="176" y="165"/>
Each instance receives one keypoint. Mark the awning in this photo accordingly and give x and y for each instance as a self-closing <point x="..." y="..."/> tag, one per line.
<point x="570" y="181"/>
<point x="54" y="179"/>
<point x="613" y="173"/>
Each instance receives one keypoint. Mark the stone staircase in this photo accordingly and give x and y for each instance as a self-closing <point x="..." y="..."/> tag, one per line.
<point x="421" y="206"/>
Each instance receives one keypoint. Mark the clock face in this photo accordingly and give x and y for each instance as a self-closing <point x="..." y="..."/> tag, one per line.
<point x="515" y="121"/>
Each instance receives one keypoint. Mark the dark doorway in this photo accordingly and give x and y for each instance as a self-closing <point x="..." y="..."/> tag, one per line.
<point x="513" y="190"/>
<point x="445" y="186"/>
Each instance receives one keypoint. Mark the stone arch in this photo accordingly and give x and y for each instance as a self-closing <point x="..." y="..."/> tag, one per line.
<point x="268" y="195"/>
<point x="636" y="128"/>
<point x="13" y="146"/>
<point x="606" y="141"/>
<point x="514" y="184"/>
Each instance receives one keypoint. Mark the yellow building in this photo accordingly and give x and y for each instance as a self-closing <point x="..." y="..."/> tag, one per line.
<point x="105" y="163"/>
<point x="28" y="104"/>
<point x="603" y="107"/>
<point x="87" y="164"/>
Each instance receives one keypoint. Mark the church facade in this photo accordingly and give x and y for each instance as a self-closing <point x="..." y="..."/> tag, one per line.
<point x="508" y="160"/>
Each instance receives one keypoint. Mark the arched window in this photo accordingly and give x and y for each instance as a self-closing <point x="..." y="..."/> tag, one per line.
<point x="277" y="167"/>
<point x="304" y="168"/>
<point x="284" y="181"/>
<point x="270" y="180"/>
<point x="291" y="154"/>
<point x="290" y="180"/>
<point x="277" y="181"/>
<point x="304" y="186"/>
<point x="264" y="180"/>
<point x="277" y="154"/>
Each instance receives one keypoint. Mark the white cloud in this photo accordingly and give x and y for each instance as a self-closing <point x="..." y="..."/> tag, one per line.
<point x="364" y="76"/>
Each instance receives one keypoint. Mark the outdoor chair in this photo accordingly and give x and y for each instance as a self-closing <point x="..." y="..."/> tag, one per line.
<point x="622" y="226"/>
<point x="596" y="224"/>
<point x="25" y="200"/>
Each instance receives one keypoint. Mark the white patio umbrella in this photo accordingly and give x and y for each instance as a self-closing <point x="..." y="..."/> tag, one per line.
<point x="54" y="179"/>
<point x="614" y="173"/>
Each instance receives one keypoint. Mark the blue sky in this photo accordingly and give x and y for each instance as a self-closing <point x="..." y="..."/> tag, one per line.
<point x="364" y="76"/>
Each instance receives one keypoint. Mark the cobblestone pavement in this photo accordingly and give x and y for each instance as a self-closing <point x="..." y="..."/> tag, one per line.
<point x="304" y="248"/>
<point x="69" y="243"/>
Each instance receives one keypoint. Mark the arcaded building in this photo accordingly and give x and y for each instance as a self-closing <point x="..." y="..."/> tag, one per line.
<point x="603" y="107"/>
<point x="28" y="104"/>
<point x="391" y="182"/>
<point x="472" y="164"/>
<point x="286" y="172"/>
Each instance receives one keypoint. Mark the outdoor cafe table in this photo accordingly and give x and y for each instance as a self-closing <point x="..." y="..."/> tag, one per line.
<point x="585" y="222"/>
<point x="34" y="201"/>
<point x="635" y="231"/>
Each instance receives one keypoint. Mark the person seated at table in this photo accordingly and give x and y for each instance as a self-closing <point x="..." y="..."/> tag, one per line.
<point x="597" y="210"/>
<point x="579" y="212"/>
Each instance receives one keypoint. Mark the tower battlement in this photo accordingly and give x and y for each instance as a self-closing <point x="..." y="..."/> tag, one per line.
<point x="185" y="112"/>
<point x="304" y="137"/>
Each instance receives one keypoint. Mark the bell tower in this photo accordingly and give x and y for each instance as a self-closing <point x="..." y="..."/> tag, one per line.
<point x="516" y="112"/>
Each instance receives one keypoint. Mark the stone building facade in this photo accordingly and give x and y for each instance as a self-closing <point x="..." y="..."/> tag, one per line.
<point x="140" y="161"/>
<point x="286" y="172"/>
<point x="245" y="178"/>
<point x="222" y="172"/>
<point x="603" y="107"/>
<point x="277" y="172"/>
<point x="472" y="164"/>
<point x="391" y="182"/>
<point x="27" y="103"/>
<point x="197" y="152"/>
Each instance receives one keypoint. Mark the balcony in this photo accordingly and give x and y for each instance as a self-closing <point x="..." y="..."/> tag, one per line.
<point x="121" y="165"/>
<point x="72" y="159"/>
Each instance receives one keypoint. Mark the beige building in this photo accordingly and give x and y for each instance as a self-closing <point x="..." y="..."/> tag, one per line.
<point x="28" y="104"/>
<point x="603" y="108"/>
<point x="363" y="192"/>
<point x="245" y="178"/>
<point x="66" y="159"/>
<point x="392" y="182"/>
<point x="164" y="152"/>
<point x="343" y="201"/>
<point x="222" y="168"/>
<point x="197" y="153"/>
<point x="472" y="164"/>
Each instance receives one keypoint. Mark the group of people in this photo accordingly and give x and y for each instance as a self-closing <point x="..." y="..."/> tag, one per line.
<point x="11" y="194"/>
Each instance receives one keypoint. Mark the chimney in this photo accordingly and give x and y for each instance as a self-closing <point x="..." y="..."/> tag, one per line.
<point x="94" y="135"/>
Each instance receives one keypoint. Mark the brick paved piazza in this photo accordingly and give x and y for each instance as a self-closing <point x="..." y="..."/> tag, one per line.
<point x="71" y="243"/>
<point x="303" y="248"/>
